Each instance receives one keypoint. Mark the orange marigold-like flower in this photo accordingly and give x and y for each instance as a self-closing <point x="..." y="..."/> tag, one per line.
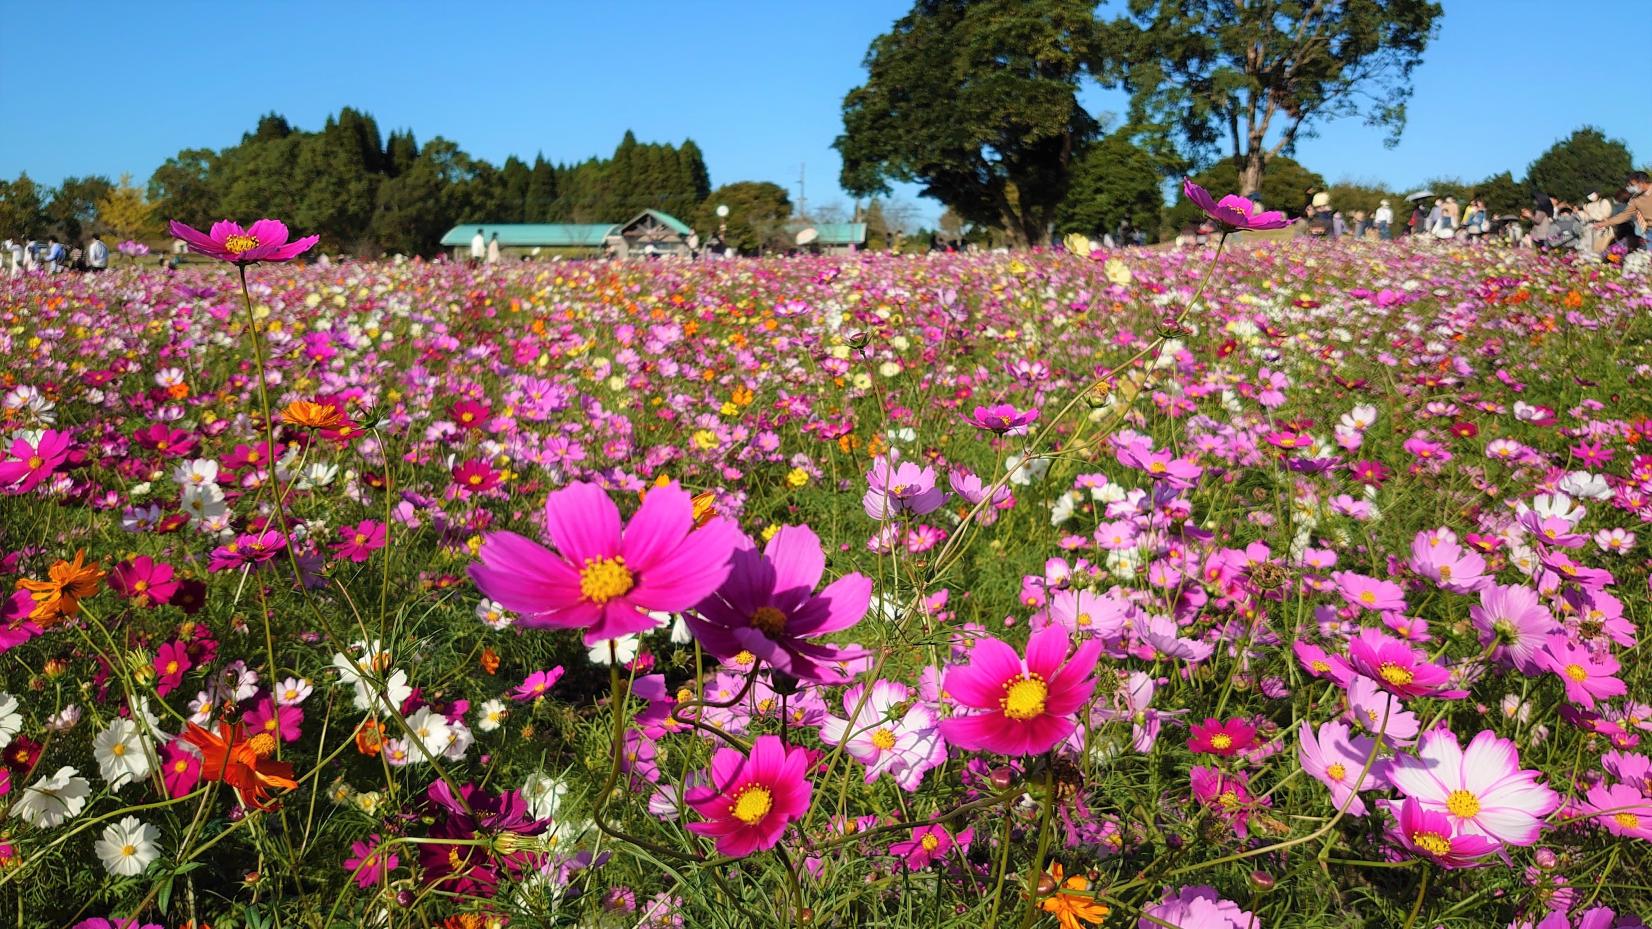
<point x="370" y="737"/>
<point x="311" y="415"/>
<point x="241" y="762"/>
<point x="1073" y="909"/>
<point x="58" y="597"/>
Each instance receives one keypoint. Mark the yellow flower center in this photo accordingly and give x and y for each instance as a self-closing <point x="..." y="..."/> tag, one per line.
<point x="119" y="750"/>
<point x="1463" y="804"/>
<point x="35" y="461"/>
<point x="1337" y="772"/>
<point x="1396" y="675"/>
<point x="1221" y="741"/>
<point x="240" y="244"/>
<point x="1228" y="800"/>
<point x="769" y="620"/>
<point x="1083" y="619"/>
<point x="1576" y="673"/>
<point x="1445" y="572"/>
<point x="128" y="850"/>
<point x="262" y="744"/>
<point x="1024" y="696"/>
<point x="172" y="667"/>
<point x="929" y="842"/>
<point x="752" y="805"/>
<point x="603" y="579"/>
<point x="1368" y="598"/>
<point x="883" y="739"/>
<point x="1320" y="666"/>
<point x="1627" y="820"/>
<point x="1431" y="842"/>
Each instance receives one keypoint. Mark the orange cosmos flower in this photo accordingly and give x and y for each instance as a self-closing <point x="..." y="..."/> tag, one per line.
<point x="311" y="415"/>
<point x="490" y="661"/>
<point x="58" y="597"/>
<point x="1072" y="908"/>
<point x="240" y="762"/>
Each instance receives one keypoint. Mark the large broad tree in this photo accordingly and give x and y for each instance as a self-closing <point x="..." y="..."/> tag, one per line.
<point x="1251" y="77"/>
<point x="977" y="101"/>
<point x="1584" y="162"/>
<point x="757" y="215"/>
<point x="1113" y="179"/>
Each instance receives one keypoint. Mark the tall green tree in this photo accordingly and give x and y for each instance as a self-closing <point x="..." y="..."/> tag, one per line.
<point x="1251" y="78"/>
<point x="22" y="208"/>
<point x="514" y="178"/>
<point x="977" y="101"/>
<point x="72" y="210"/>
<point x="541" y="197"/>
<point x="1501" y="194"/>
<point x="186" y="188"/>
<point x="1113" y="179"/>
<point x="1584" y="162"/>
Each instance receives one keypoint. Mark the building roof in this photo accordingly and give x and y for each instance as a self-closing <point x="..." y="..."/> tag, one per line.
<point x="665" y="219"/>
<point x="840" y="233"/>
<point x="528" y="235"/>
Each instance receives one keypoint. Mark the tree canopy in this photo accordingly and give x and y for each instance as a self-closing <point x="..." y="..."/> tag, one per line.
<point x="757" y="215"/>
<point x="1113" y="179"/>
<point x="977" y="101"/>
<point x="1584" y="162"/>
<point x="1249" y="79"/>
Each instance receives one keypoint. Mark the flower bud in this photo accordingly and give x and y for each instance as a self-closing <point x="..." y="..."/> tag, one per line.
<point x="1261" y="881"/>
<point x="1002" y="777"/>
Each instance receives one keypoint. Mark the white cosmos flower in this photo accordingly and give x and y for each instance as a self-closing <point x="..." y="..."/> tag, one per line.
<point x="493" y="614"/>
<point x="122" y="753"/>
<point x="203" y="502"/>
<point x="625" y="648"/>
<point x="1586" y="485"/>
<point x="293" y="691"/>
<point x="11" y="721"/>
<point x="65" y="719"/>
<point x="432" y="731"/>
<point x="1558" y="506"/>
<point x="463" y="739"/>
<point x="50" y="801"/>
<point x="543" y="794"/>
<point x="1023" y="472"/>
<point x="493" y="715"/>
<point x="127" y="847"/>
<point x="196" y="472"/>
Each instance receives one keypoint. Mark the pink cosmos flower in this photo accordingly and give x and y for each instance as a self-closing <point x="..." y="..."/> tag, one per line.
<point x="357" y="543"/>
<point x="1436" y="837"/>
<point x="1369" y="593"/>
<point x="180" y="768"/>
<point x="1381" y="713"/>
<point x="367" y="864"/>
<point x="1621" y="810"/>
<point x="894" y="489"/>
<point x="1085" y="613"/>
<point x="144" y="581"/>
<point x="1397" y="667"/>
<point x="1003" y="418"/>
<point x="1223" y="739"/>
<point x="1233" y="212"/>
<point x="537" y="684"/>
<point x="1588" y="677"/>
<point x="1198" y="907"/>
<point x="1227" y="795"/>
<point x="1026" y="705"/>
<point x="751" y="799"/>
<point x="904" y="745"/>
<point x="602" y="578"/>
<point x="264" y="240"/>
<point x="928" y="845"/>
<point x="284" y="722"/>
<point x="1437" y="556"/>
<point x="34" y="462"/>
<point x="1481" y="788"/>
<point x="1335" y="757"/>
<point x="767" y="606"/>
<point x="1515" y="618"/>
<point x="171" y="663"/>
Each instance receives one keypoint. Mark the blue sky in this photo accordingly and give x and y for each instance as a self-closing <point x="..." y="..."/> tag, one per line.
<point x="759" y="85"/>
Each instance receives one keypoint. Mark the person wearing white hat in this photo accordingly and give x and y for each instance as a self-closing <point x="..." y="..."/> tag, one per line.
<point x="1384" y="218"/>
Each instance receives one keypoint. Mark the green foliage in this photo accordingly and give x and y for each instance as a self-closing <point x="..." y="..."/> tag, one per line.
<point x="1348" y="196"/>
<point x="976" y="100"/>
<point x="1284" y="187"/>
<point x="73" y="208"/>
<point x="1113" y="180"/>
<point x="1582" y="163"/>
<point x="1248" y="79"/>
<point x="22" y="208"/>
<point x="1501" y="194"/>
<point x="184" y="187"/>
<point x="757" y="215"/>
<point x="126" y="212"/>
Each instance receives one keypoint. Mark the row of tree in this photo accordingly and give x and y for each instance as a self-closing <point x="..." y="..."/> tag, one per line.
<point x="978" y="102"/>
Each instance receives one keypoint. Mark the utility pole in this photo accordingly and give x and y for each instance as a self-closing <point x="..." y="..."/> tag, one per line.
<point x="802" y="199"/>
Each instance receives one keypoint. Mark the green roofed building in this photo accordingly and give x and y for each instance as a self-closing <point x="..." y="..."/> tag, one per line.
<point x="831" y="238"/>
<point x="650" y="232"/>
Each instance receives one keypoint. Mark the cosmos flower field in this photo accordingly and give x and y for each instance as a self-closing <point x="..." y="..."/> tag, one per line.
<point x="1298" y="585"/>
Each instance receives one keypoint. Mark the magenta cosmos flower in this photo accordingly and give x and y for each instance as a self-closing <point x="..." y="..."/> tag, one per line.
<point x="1025" y="706"/>
<point x="1233" y="212"/>
<point x="34" y="461"/>
<point x="605" y="578"/>
<point x="751" y="799"/>
<point x="1481" y="788"/>
<point x="768" y="607"/>
<point x="893" y="489"/>
<point x="1003" y="419"/>
<point x="1397" y="667"/>
<point x="1588" y="677"/>
<point x="265" y="240"/>
<point x="1215" y="737"/>
<point x="1433" y="836"/>
<point x="1621" y="810"/>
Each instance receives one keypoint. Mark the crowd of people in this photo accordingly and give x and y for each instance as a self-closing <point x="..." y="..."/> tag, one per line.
<point x="51" y="257"/>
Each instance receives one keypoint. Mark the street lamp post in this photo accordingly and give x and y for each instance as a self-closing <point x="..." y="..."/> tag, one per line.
<point x="722" y="221"/>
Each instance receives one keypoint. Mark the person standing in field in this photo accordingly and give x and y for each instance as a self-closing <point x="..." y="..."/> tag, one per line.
<point x="1384" y="218"/>
<point x="478" y="247"/>
<point x="54" y="254"/>
<point x="97" y="254"/>
<point x="493" y="249"/>
<point x="15" y="248"/>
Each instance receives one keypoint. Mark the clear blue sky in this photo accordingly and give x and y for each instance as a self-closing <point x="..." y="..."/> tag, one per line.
<point x="103" y="88"/>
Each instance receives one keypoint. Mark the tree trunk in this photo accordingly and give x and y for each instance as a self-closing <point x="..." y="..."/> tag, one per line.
<point x="1250" y="175"/>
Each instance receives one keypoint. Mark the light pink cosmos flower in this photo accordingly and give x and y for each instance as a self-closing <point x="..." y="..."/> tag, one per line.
<point x="1588" y="677"/>
<point x="886" y="741"/>
<point x="894" y="489"/>
<point x="1482" y="788"/>
<point x="1515" y="618"/>
<point x="1369" y="593"/>
<point x="264" y="240"/>
<point x="1336" y="758"/>
<point x="1025" y="706"/>
<point x="1437" y="556"/>
<point x="1381" y="713"/>
<point x="1233" y="212"/>
<point x="603" y="578"/>
<point x="1197" y="908"/>
<point x="750" y="800"/>
<point x="1085" y="613"/>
